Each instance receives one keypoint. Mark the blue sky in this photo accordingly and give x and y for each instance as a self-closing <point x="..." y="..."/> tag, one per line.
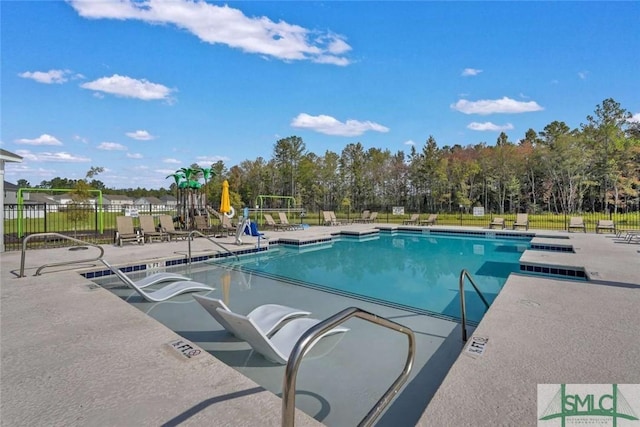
<point x="144" y="88"/>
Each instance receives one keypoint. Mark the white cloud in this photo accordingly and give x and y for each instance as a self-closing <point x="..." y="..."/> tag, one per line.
<point x="207" y="161"/>
<point x="635" y="118"/>
<point x="80" y="138"/>
<point x="20" y="170"/>
<point x="225" y="25"/>
<point x="172" y="161"/>
<point x="134" y="155"/>
<point x="488" y="126"/>
<point x="470" y="72"/>
<point x="330" y="126"/>
<point x="111" y="146"/>
<point x="583" y="75"/>
<point x="140" y="135"/>
<point x="127" y="87"/>
<point x="52" y="157"/>
<point x="409" y="142"/>
<point x="493" y="106"/>
<point x="47" y="77"/>
<point x="43" y="139"/>
<point x="166" y="172"/>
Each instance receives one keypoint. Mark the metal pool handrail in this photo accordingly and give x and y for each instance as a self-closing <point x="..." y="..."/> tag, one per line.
<point x="57" y="264"/>
<point x="463" y="310"/>
<point x="190" y="238"/>
<point x="309" y="338"/>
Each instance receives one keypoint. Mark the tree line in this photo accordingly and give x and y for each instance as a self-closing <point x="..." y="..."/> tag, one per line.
<point x="593" y="168"/>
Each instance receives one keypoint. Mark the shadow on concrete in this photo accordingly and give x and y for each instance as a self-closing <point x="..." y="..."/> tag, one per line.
<point x="325" y="406"/>
<point x="181" y="418"/>
<point x="407" y="408"/>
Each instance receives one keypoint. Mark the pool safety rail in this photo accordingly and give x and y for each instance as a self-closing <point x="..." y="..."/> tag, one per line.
<point x="196" y="232"/>
<point x="463" y="310"/>
<point x="308" y="339"/>
<point x="57" y="264"/>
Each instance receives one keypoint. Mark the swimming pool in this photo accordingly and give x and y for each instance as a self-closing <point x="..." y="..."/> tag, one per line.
<point x="409" y="270"/>
<point x="406" y="277"/>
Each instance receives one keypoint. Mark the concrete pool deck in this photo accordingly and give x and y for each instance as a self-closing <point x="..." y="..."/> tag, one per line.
<point x="73" y="354"/>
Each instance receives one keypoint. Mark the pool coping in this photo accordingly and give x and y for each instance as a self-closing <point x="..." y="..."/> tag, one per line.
<point x="48" y="325"/>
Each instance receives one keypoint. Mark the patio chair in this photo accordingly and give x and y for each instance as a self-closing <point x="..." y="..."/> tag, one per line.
<point x="372" y="218"/>
<point x="522" y="220"/>
<point x="606" y="225"/>
<point x="497" y="222"/>
<point x="632" y="236"/>
<point x="125" y="232"/>
<point x="149" y="231"/>
<point x="273" y="224"/>
<point x="334" y="220"/>
<point x="364" y="217"/>
<point x="577" y="222"/>
<point x="327" y="218"/>
<point x="267" y="317"/>
<point x="228" y="226"/>
<point x="413" y="220"/>
<point x="627" y="235"/>
<point x="431" y="220"/>
<point x="170" y="290"/>
<point x="278" y="347"/>
<point x="167" y="226"/>
<point x="201" y="223"/>
<point x="285" y="221"/>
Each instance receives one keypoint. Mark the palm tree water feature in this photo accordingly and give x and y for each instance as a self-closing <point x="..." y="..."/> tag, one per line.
<point x="191" y="193"/>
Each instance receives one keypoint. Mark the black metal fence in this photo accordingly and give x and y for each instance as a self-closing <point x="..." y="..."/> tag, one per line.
<point x="91" y="223"/>
<point x="97" y="224"/>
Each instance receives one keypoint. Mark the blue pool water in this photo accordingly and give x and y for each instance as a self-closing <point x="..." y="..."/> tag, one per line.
<point x="410" y="270"/>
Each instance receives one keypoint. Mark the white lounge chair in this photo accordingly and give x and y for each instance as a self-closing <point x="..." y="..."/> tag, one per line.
<point x="170" y="290"/>
<point x="266" y="317"/>
<point x="277" y="348"/>
<point x="155" y="278"/>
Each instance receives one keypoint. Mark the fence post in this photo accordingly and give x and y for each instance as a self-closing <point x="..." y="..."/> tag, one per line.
<point x="46" y="209"/>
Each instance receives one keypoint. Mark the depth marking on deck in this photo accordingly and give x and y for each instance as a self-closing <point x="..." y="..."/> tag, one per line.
<point x="184" y="348"/>
<point x="476" y="346"/>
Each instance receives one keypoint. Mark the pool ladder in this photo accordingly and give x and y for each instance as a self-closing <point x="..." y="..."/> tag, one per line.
<point x="190" y="238"/>
<point x="463" y="310"/>
<point x="57" y="264"/>
<point x="311" y="336"/>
